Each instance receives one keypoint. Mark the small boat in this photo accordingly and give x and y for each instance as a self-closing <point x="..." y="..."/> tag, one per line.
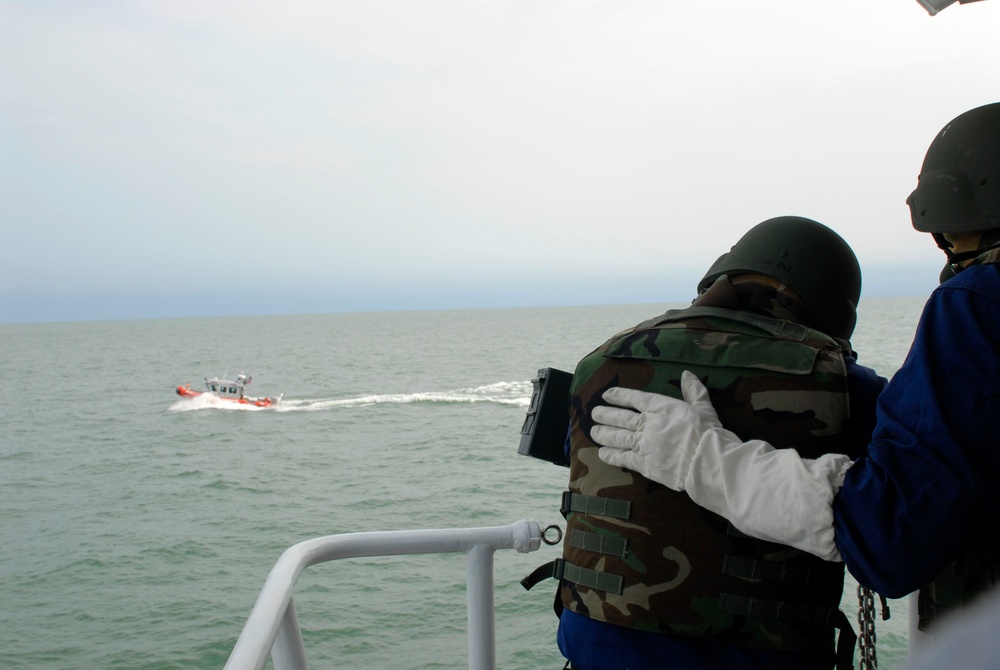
<point x="228" y="389"/>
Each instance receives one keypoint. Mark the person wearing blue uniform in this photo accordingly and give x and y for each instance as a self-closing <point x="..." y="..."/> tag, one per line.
<point x="921" y="509"/>
<point x="927" y="491"/>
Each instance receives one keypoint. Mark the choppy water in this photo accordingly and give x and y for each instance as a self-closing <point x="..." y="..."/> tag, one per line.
<point x="137" y="528"/>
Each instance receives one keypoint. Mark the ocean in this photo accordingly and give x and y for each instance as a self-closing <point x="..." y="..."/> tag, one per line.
<point x="137" y="527"/>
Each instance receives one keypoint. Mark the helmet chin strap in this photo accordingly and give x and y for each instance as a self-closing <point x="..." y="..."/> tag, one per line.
<point x="955" y="261"/>
<point x="952" y="267"/>
<point x="943" y="244"/>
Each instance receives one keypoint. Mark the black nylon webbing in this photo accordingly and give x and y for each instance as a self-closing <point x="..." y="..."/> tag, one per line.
<point x="593" y="579"/>
<point x="777" y="610"/>
<point x="771" y="571"/>
<point x="577" y="502"/>
<point x="539" y="574"/>
<point x="560" y="569"/>
<point x="602" y="544"/>
<point x="818" y="615"/>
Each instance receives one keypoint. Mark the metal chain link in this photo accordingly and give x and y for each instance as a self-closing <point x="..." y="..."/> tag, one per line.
<point x="866" y="634"/>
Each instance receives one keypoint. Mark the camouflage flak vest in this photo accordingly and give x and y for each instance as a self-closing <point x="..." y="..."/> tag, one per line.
<point x="639" y="555"/>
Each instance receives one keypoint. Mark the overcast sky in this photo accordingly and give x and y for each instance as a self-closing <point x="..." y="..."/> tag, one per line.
<point x="201" y="157"/>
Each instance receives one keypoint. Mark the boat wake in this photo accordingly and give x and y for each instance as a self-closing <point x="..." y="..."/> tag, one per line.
<point x="503" y="393"/>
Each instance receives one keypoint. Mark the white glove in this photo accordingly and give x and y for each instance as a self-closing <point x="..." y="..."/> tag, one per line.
<point x="660" y="437"/>
<point x="682" y="445"/>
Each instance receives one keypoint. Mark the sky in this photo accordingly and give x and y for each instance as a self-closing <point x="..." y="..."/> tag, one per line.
<point x="189" y="158"/>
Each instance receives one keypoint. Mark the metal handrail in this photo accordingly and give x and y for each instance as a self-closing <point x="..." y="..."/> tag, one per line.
<point x="273" y="626"/>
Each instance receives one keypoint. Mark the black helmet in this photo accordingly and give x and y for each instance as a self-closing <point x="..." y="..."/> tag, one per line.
<point x="958" y="190"/>
<point x="806" y="256"/>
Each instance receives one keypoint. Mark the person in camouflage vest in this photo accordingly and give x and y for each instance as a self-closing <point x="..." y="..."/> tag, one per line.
<point x="650" y="580"/>
<point x="920" y="509"/>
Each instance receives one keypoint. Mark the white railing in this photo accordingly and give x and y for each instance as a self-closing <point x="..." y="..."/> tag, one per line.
<point x="273" y="626"/>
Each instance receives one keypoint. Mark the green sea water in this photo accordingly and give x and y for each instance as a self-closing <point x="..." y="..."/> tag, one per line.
<point x="137" y="527"/>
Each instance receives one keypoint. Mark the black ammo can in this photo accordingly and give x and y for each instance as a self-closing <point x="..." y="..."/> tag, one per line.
<point x="544" y="432"/>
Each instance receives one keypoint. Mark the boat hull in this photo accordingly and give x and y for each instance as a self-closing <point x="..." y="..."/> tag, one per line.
<point x="187" y="392"/>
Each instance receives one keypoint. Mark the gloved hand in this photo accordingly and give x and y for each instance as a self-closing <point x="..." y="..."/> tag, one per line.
<point x="769" y="493"/>
<point x="655" y="435"/>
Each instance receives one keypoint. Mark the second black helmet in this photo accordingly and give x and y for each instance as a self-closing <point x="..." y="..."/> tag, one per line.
<point x="808" y="257"/>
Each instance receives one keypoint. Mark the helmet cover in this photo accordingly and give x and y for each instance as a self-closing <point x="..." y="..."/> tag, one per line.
<point x="808" y="257"/>
<point x="958" y="190"/>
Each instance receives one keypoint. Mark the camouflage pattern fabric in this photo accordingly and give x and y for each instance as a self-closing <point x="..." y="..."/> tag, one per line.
<point x="671" y="566"/>
<point x="990" y="257"/>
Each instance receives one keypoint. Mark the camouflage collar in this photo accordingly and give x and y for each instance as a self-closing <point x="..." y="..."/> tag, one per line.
<point x="988" y="257"/>
<point x="754" y="297"/>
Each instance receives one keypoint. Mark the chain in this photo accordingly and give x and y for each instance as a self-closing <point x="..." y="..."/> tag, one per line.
<point x="866" y="634"/>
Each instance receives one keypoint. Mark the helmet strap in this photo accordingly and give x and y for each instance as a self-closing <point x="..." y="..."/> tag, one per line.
<point x="952" y="268"/>
<point x="956" y="259"/>
<point x="943" y="244"/>
<point x="989" y="241"/>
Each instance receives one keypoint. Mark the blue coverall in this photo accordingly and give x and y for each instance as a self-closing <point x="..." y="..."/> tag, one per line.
<point x="930" y="482"/>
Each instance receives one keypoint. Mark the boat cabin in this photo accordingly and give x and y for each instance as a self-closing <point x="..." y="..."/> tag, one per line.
<point x="228" y="388"/>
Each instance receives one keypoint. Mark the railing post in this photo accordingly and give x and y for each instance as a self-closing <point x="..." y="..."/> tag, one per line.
<point x="289" y="651"/>
<point x="479" y="595"/>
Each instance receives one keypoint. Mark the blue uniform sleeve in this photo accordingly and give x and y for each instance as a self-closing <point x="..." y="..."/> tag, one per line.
<point x="864" y="386"/>
<point x="930" y="482"/>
